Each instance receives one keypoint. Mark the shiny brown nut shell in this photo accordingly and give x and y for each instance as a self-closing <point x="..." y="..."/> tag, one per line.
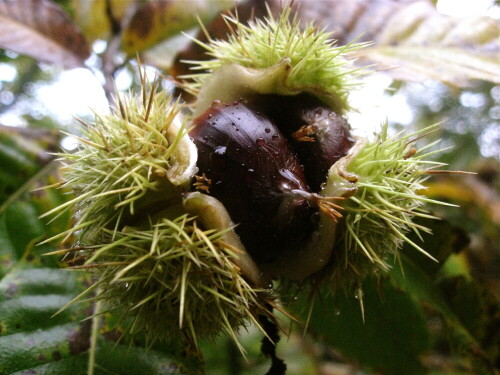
<point x="245" y="162"/>
<point x="318" y="135"/>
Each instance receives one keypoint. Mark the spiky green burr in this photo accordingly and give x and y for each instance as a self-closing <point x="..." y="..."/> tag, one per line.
<point x="172" y="280"/>
<point x="382" y="182"/>
<point x="167" y="258"/>
<point x="144" y="237"/>
<point x="378" y="184"/>
<point x="274" y="56"/>
<point x="135" y="159"/>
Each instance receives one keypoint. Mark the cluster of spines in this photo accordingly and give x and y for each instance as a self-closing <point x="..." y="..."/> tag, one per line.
<point x="150" y="267"/>
<point x="174" y="268"/>
<point x="172" y="280"/>
<point x="121" y="158"/>
<point x="316" y="64"/>
<point x="390" y="174"/>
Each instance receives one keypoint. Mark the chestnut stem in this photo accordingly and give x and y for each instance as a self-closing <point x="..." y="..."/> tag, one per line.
<point x="269" y="342"/>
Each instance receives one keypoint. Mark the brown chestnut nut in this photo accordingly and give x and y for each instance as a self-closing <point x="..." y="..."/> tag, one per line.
<point x="245" y="162"/>
<point x="318" y="135"/>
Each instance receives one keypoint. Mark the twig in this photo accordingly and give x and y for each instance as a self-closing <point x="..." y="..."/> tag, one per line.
<point x="109" y="64"/>
<point x="96" y="319"/>
<point x="268" y="346"/>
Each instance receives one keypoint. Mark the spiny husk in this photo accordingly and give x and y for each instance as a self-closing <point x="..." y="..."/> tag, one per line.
<point x="153" y="259"/>
<point x="138" y="158"/>
<point x="273" y="56"/>
<point x="382" y="182"/>
<point x="172" y="280"/>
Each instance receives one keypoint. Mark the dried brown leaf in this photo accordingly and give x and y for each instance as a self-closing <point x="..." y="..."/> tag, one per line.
<point x="160" y="19"/>
<point x="412" y="40"/>
<point x="97" y="18"/>
<point x="41" y="29"/>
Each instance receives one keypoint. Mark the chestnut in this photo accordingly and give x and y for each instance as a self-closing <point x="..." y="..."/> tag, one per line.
<point x="252" y="170"/>
<point x="194" y="264"/>
<point x="318" y="134"/>
<point x="246" y="162"/>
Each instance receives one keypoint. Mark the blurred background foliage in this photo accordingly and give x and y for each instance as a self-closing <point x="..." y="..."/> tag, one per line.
<point x="422" y="318"/>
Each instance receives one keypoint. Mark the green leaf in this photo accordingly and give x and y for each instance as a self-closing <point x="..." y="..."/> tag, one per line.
<point x="25" y="165"/>
<point x="23" y="153"/>
<point x="7" y="250"/>
<point x="20" y="231"/>
<point x="396" y="334"/>
<point x="35" y="336"/>
<point x="38" y="281"/>
<point x="34" y="340"/>
<point x="119" y="360"/>
<point x="471" y="306"/>
<point x="462" y="305"/>
<point x="443" y="241"/>
<point x="16" y="166"/>
<point x="30" y="335"/>
<point x="23" y="225"/>
<point x="390" y="339"/>
<point x="22" y="351"/>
